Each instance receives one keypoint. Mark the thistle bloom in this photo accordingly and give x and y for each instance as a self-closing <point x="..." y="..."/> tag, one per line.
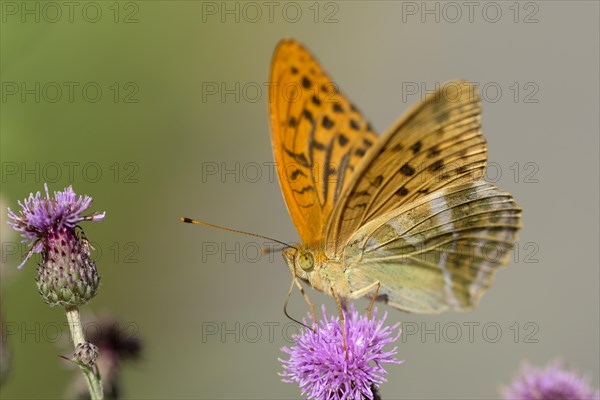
<point x="319" y="364"/>
<point x="551" y="383"/>
<point x="66" y="276"/>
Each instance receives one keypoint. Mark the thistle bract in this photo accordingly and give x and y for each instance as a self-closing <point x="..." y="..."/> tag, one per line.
<point x="66" y="276"/>
<point x="86" y="353"/>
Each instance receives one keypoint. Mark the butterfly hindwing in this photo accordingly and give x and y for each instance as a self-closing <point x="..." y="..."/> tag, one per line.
<point x="437" y="144"/>
<point x="318" y="138"/>
<point x="439" y="252"/>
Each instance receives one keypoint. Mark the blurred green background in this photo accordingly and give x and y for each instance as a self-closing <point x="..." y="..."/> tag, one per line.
<point x="156" y="143"/>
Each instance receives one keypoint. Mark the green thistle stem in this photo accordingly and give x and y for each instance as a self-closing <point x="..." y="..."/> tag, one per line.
<point x="92" y="375"/>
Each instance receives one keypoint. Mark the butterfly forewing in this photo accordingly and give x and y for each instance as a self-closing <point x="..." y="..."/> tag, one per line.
<point x="318" y="138"/>
<point x="437" y="144"/>
<point x="438" y="252"/>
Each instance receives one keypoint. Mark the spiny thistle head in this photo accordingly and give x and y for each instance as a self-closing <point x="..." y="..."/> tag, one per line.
<point x="551" y="383"/>
<point x="86" y="353"/>
<point x="319" y="364"/>
<point x="66" y="276"/>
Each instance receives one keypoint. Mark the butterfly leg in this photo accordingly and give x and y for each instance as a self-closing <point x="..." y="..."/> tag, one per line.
<point x="338" y="301"/>
<point x="361" y="292"/>
<point x="373" y="300"/>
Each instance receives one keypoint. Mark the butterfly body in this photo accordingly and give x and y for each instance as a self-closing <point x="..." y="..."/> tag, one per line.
<point x="406" y="215"/>
<point x="322" y="273"/>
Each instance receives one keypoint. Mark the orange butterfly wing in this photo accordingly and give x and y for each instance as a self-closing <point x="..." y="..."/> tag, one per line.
<point x="318" y="138"/>
<point x="436" y="144"/>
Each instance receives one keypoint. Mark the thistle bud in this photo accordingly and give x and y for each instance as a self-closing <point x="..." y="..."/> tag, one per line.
<point x="117" y="346"/>
<point x="86" y="353"/>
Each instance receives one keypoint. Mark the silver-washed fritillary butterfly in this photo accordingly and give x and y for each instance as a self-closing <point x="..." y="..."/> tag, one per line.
<point x="407" y="215"/>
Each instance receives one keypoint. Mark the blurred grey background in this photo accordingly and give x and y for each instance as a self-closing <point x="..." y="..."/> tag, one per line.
<point x="158" y="110"/>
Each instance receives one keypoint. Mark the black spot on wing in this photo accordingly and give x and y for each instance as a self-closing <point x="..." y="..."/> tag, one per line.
<point x="416" y="147"/>
<point x="293" y="122"/>
<point x="354" y="125"/>
<point x="316" y="100"/>
<point x="337" y="108"/>
<point x="296" y="173"/>
<point x="318" y="145"/>
<point x="342" y="139"/>
<point x="327" y="122"/>
<point x="433" y="152"/>
<point x="306" y="83"/>
<point x="402" y="192"/>
<point x="360" y="205"/>
<point x="407" y="170"/>
<point x="377" y="181"/>
<point x="308" y="115"/>
<point x="436" y="165"/>
<point x="330" y="171"/>
<point x="360" y="152"/>
<point x="397" y="147"/>
<point x="361" y="193"/>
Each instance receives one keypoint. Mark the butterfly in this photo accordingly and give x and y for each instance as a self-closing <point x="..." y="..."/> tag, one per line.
<point x="405" y="217"/>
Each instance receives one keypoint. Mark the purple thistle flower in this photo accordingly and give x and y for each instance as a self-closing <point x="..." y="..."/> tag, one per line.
<point x="39" y="216"/>
<point x="551" y="383"/>
<point x="67" y="275"/>
<point x="318" y="360"/>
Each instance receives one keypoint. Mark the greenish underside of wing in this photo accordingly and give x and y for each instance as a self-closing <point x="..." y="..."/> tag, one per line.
<point x="437" y="253"/>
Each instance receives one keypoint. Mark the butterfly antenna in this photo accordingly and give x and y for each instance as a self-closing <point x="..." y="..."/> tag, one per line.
<point x="193" y="221"/>
<point x="269" y="250"/>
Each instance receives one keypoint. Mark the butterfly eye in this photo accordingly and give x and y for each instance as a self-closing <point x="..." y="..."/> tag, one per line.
<point x="305" y="260"/>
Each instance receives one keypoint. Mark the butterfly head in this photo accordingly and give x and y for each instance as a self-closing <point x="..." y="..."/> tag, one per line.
<point x="300" y="261"/>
